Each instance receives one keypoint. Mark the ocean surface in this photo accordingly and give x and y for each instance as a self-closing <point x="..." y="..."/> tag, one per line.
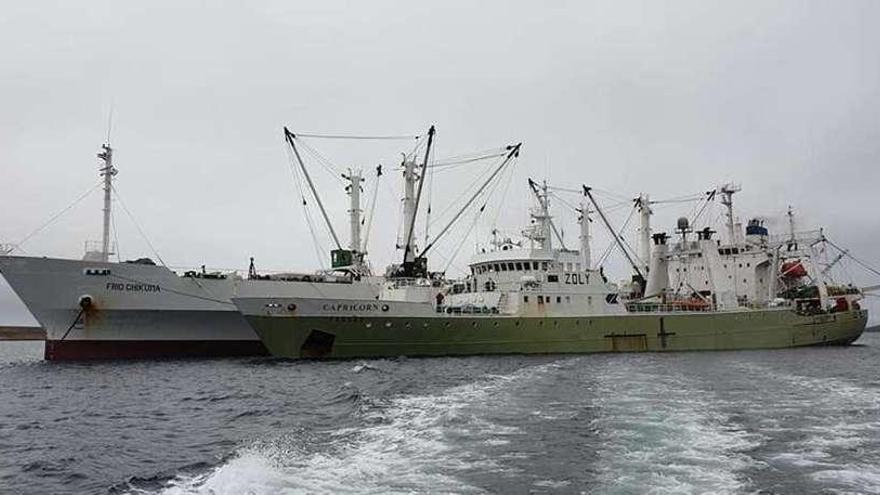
<point x="789" y="421"/>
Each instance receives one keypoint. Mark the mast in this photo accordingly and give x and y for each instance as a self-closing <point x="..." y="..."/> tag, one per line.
<point x="727" y="191"/>
<point x="409" y="201"/>
<point x="354" y="212"/>
<point x="108" y="172"/>
<point x="408" y="248"/>
<point x="289" y="136"/>
<point x="645" y="230"/>
<point x="543" y="217"/>
<point x="790" y="215"/>
<point x="584" y="222"/>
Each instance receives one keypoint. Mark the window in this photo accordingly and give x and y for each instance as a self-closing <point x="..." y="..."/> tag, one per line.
<point x="510" y="266"/>
<point x="519" y="267"/>
<point x="527" y="266"/>
<point x="540" y="299"/>
<point x="503" y="267"/>
<point x="525" y="299"/>
<point x="558" y="299"/>
<point x="535" y="265"/>
<point x="496" y="268"/>
<point x="553" y="278"/>
<point x="568" y="299"/>
<point x="544" y="266"/>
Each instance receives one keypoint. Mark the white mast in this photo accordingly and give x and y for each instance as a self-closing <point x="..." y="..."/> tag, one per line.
<point x="727" y="191"/>
<point x="645" y="231"/>
<point x="584" y="220"/>
<point x="108" y="172"/>
<point x="355" y="213"/>
<point x="409" y="206"/>
<point x="790" y="224"/>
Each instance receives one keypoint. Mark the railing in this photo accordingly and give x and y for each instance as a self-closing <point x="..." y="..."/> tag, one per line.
<point x="802" y="237"/>
<point x="677" y="307"/>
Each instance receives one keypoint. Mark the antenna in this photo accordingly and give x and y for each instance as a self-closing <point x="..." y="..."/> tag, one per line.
<point x="109" y="123"/>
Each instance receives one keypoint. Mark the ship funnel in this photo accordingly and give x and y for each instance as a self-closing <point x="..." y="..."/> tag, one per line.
<point x="658" y="275"/>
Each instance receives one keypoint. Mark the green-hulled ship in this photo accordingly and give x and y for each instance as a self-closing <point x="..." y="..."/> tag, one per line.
<point x="752" y="292"/>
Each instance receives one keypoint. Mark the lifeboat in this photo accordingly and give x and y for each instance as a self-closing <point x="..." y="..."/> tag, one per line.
<point x="793" y="269"/>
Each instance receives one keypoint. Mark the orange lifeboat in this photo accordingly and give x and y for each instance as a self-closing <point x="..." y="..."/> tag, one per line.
<point x="793" y="269"/>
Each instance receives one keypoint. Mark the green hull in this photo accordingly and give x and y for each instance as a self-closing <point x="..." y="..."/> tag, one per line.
<point x="353" y="337"/>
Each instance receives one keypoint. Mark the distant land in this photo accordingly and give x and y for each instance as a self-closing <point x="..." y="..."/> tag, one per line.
<point x="875" y="328"/>
<point x="22" y="333"/>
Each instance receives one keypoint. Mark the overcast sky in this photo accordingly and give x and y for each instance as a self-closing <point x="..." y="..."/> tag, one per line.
<point x="670" y="98"/>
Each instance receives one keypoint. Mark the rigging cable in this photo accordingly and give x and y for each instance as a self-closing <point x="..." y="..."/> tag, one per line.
<point x="140" y="230"/>
<point x="619" y="235"/>
<point x="359" y="137"/>
<point x="56" y="216"/>
<point x="861" y="263"/>
<point x="334" y="170"/>
<point x="372" y="211"/>
<point x="487" y="196"/>
<point x="115" y="234"/>
<point x="305" y="208"/>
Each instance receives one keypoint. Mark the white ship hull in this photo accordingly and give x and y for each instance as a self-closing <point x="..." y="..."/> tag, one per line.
<point x="145" y="311"/>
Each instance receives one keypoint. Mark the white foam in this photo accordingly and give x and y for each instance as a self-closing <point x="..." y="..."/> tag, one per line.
<point x="863" y="479"/>
<point x="664" y="435"/>
<point x="840" y="417"/>
<point x="403" y="449"/>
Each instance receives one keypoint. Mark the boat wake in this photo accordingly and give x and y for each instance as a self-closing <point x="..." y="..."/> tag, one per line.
<point x="658" y="429"/>
<point x="408" y="444"/>
<point x="826" y="428"/>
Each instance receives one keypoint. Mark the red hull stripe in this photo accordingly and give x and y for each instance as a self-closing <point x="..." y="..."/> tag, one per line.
<point x="69" y="350"/>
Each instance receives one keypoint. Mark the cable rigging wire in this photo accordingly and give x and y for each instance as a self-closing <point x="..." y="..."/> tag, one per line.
<point x="619" y="235"/>
<point x="861" y="263"/>
<point x="137" y="225"/>
<point x="356" y="137"/>
<point x="305" y="208"/>
<point x="57" y="216"/>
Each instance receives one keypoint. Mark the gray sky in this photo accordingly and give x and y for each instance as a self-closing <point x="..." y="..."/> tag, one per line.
<point x="669" y="98"/>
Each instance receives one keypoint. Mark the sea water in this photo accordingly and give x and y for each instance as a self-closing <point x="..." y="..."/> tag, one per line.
<point x="783" y="421"/>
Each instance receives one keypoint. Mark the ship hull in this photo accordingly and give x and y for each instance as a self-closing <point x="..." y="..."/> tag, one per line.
<point x="352" y="336"/>
<point x="141" y="311"/>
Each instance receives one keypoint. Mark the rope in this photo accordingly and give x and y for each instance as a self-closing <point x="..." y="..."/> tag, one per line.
<point x="115" y="235"/>
<point x="344" y="136"/>
<point x="466" y="235"/>
<point x="81" y="311"/>
<point x="334" y="170"/>
<point x="140" y="230"/>
<point x="56" y="216"/>
<point x="618" y="234"/>
<point x="861" y="263"/>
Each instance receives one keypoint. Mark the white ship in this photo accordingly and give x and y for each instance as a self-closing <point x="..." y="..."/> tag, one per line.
<point x="97" y="309"/>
